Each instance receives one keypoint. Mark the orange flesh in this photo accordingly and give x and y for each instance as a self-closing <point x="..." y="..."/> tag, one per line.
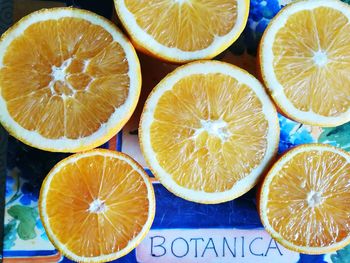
<point x="196" y="19"/>
<point x="94" y="78"/>
<point x="323" y="89"/>
<point x="200" y="159"/>
<point x="309" y="199"/>
<point x="72" y="191"/>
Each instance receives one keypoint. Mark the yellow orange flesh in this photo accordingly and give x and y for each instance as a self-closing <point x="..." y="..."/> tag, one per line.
<point x="186" y="25"/>
<point x="308" y="199"/>
<point x="91" y="78"/>
<point x="324" y="88"/>
<point x="208" y="131"/>
<point x="304" y="59"/>
<point x="202" y="160"/>
<point x="95" y="205"/>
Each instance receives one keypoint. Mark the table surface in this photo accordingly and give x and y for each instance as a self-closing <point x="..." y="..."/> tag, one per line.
<point x="182" y="231"/>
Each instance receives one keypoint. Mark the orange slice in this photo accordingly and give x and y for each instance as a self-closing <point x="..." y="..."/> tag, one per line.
<point x="305" y="61"/>
<point x="208" y="130"/>
<point x="305" y="199"/>
<point x="183" y="30"/>
<point x="69" y="80"/>
<point x="96" y="206"/>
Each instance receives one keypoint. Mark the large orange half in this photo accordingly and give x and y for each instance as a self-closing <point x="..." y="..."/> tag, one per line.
<point x="96" y="206"/>
<point x="208" y="131"/>
<point x="183" y="30"/>
<point x="305" y="61"/>
<point x="69" y="80"/>
<point x="305" y="199"/>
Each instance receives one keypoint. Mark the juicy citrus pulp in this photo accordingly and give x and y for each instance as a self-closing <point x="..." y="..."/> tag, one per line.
<point x="208" y="130"/>
<point x="305" y="60"/>
<point x="305" y="199"/>
<point x="96" y="206"/>
<point x="69" y="79"/>
<point x="183" y="30"/>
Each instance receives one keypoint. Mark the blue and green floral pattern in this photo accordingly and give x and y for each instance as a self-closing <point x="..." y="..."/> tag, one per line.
<point x="26" y="168"/>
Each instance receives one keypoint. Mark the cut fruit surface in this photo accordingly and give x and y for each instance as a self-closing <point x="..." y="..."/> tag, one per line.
<point x="208" y="130"/>
<point x="96" y="206"/>
<point x="305" y="199"/>
<point x="183" y="30"/>
<point x="69" y="80"/>
<point x="305" y="61"/>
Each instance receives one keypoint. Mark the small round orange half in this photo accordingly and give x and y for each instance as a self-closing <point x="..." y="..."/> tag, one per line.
<point x="96" y="206"/>
<point x="305" y="199"/>
<point x="183" y="30"/>
<point x="69" y="80"/>
<point x="208" y="131"/>
<point x="305" y="61"/>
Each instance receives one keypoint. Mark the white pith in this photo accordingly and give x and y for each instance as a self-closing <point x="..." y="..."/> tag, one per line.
<point x="109" y="128"/>
<point x="175" y="54"/>
<point x="181" y="1"/>
<point x="97" y="206"/>
<point x="320" y="59"/>
<point x="59" y="74"/>
<point x="313" y="198"/>
<point x="134" y="242"/>
<point x="206" y="68"/>
<point x="216" y="128"/>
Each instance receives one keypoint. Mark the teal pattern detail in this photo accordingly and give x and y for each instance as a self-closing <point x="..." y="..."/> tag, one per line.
<point x="27" y="219"/>
<point x="337" y="136"/>
<point x="10" y="234"/>
<point x="342" y="256"/>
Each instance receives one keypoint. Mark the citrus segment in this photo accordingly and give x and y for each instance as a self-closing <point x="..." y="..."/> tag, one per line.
<point x="183" y="30"/>
<point x="305" y="200"/>
<point x="69" y="79"/>
<point x="208" y="130"/>
<point x="304" y="61"/>
<point x="97" y="206"/>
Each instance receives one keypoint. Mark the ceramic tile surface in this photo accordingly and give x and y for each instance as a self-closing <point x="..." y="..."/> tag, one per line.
<point x="182" y="231"/>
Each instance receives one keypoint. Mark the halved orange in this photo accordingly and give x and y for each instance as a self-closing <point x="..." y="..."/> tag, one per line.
<point x="305" y="61"/>
<point x="183" y="30"/>
<point x="208" y="131"/>
<point x="305" y="199"/>
<point x="69" y="80"/>
<point x="96" y="206"/>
